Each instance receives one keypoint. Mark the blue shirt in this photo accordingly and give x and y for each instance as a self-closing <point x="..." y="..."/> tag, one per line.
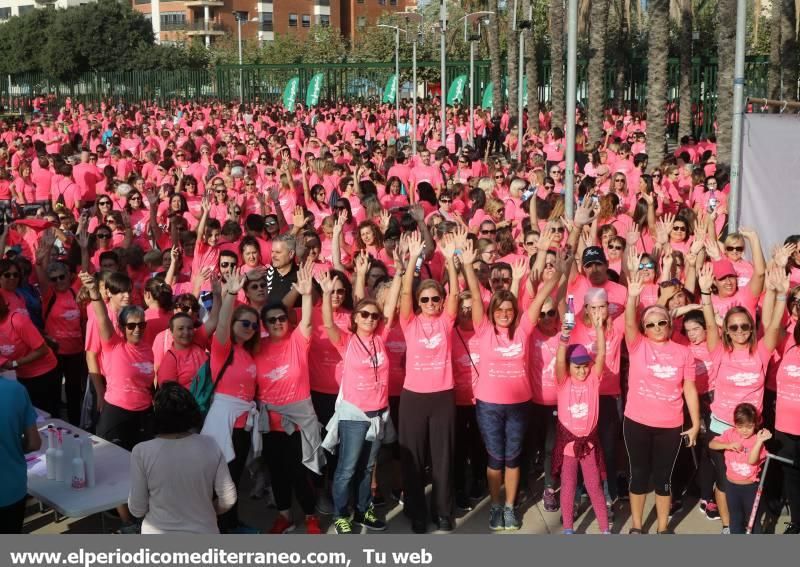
<point x="16" y="415"/>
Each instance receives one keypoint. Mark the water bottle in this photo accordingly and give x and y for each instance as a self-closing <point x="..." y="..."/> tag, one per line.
<point x="59" y="458"/>
<point x="712" y="201"/>
<point x="78" y="469"/>
<point x="420" y="261"/>
<point x="50" y="454"/>
<point x="87" y="454"/>
<point x="569" y="316"/>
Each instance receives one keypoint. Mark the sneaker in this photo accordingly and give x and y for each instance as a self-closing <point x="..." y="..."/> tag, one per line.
<point x="129" y="529"/>
<point x="510" y="519"/>
<point x="496" y="522"/>
<point x="610" y="512"/>
<point x="324" y="504"/>
<point x="675" y="507"/>
<point x="397" y="494"/>
<point x="550" y="501"/>
<point x="712" y="511"/>
<point x="791" y="528"/>
<point x="463" y="502"/>
<point x="702" y="504"/>
<point x="567" y="532"/>
<point x="312" y="525"/>
<point x="369" y="520"/>
<point x="282" y="525"/>
<point x="378" y="500"/>
<point x="343" y="526"/>
<point x="444" y="524"/>
<point x="726" y="530"/>
<point x="607" y="532"/>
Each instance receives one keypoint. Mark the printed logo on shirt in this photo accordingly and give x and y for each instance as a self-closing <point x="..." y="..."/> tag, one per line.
<point x="742" y="379"/>
<point x="278" y="373"/>
<point x="377" y="360"/>
<point x="511" y="351"/>
<point x="741" y="469"/>
<point x="579" y="411"/>
<point x="71" y="314"/>
<point x="7" y="350"/>
<point x="432" y="342"/>
<point x="144" y="367"/>
<point x="792" y="370"/>
<point x="251" y="370"/>
<point x="663" y="372"/>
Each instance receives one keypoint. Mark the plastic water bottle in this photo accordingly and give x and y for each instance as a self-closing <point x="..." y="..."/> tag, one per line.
<point x="569" y="316"/>
<point x="59" y="458"/>
<point x="712" y="201"/>
<point x="420" y="261"/>
<point x="78" y="468"/>
<point x="87" y="454"/>
<point x="50" y="454"/>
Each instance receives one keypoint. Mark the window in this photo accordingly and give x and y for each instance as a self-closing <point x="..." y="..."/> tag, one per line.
<point x="361" y="22"/>
<point x="360" y="1"/>
<point x="306" y="21"/>
<point x="25" y="9"/>
<point x="323" y="2"/>
<point x="5" y="13"/>
<point x="173" y="20"/>
<point x="141" y="2"/>
<point x="324" y="20"/>
<point x="382" y="2"/>
<point x="293" y="20"/>
<point x="393" y="2"/>
<point x="266" y="21"/>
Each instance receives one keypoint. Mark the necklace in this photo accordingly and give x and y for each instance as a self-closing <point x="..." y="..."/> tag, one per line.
<point x="373" y="355"/>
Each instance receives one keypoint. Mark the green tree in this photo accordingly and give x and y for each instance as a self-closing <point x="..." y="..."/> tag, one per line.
<point x="21" y="41"/>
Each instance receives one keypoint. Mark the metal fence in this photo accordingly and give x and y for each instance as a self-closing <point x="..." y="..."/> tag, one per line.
<point x="355" y="81"/>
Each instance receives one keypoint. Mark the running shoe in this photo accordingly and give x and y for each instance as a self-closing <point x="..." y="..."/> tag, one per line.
<point x="282" y="525"/>
<point x="312" y="525"/>
<point x="510" y="519"/>
<point x="496" y="522"/>
<point x="369" y="520"/>
<point x="712" y="511"/>
<point x="549" y="500"/>
<point x="343" y="526"/>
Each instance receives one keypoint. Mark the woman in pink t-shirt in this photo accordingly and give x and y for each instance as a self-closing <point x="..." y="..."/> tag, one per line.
<point x="740" y="360"/>
<point x="787" y="424"/>
<point x="577" y="439"/>
<point x="427" y="402"/>
<point x="660" y="378"/>
<point x="503" y="389"/>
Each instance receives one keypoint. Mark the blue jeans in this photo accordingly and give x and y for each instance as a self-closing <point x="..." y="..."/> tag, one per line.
<point x="503" y="428"/>
<point x="356" y="461"/>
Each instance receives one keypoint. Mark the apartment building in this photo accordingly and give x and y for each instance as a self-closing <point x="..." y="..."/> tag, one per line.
<point x="9" y="8"/>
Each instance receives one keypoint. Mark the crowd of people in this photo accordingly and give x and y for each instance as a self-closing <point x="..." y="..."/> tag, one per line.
<point x="240" y="291"/>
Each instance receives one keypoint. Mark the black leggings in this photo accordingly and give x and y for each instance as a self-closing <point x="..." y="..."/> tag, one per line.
<point x="12" y="517"/>
<point x="73" y="366"/>
<point x="652" y="452"/>
<point x="469" y="450"/>
<point x="740" y="498"/>
<point x="284" y="456"/>
<point x="789" y="447"/>
<point x="542" y="434"/>
<point x="241" y="448"/>
<point x="608" y="430"/>
<point x="324" y="407"/>
<point x="124" y="427"/>
<point x="427" y="427"/>
<point x="45" y="390"/>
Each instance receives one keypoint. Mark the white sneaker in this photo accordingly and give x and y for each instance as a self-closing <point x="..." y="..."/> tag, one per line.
<point x="726" y="530"/>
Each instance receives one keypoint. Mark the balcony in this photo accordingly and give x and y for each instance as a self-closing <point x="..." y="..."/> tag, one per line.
<point x="173" y="26"/>
<point x="199" y="3"/>
<point x="203" y="28"/>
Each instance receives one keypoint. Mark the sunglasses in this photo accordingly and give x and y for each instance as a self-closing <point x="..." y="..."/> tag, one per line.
<point x="247" y="324"/>
<point x="103" y="236"/>
<point x="60" y="278"/>
<point x="647" y="266"/>
<point x="678" y="228"/>
<point x="619" y="181"/>
<point x="498" y="177"/>
<point x="369" y="315"/>
<point x="615" y="247"/>
<point x="549" y="313"/>
<point x="660" y="324"/>
<point x="134" y="326"/>
<point x="258" y="286"/>
<point x="186" y="308"/>
<point x="560" y="229"/>
<point x="339" y="291"/>
<point x="276" y="319"/>
<point x="104" y="204"/>
<point x="744" y="327"/>
<point x="531" y="243"/>
<point x="734" y="248"/>
<point x="433" y="298"/>
<point x="227" y="264"/>
<point x="501" y="280"/>
<point x="491" y="231"/>
<point x="11" y="275"/>
<point x="445" y="201"/>
<point x="220" y="191"/>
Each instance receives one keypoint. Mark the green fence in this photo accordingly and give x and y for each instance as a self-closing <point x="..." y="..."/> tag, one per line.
<point x="349" y="81"/>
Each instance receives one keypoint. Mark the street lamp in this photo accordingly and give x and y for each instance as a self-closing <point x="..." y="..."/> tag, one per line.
<point x="469" y="21"/>
<point x="396" y="68"/>
<point x="241" y="17"/>
<point x="520" y="26"/>
<point x="417" y="18"/>
<point x="443" y="27"/>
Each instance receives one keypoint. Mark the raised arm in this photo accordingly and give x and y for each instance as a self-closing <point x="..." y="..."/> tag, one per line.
<point x="205" y="206"/>
<point x="467" y="258"/>
<point x="449" y="251"/>
<point x="216" y="303"/>
<point x="104" y="326"/>
<point x="418" y="214"/>
<point x="336" y="241"/>
<point x="778" y="284"/>
<point x="756" y="283"/>
<point x="326" y="284"/>
<point x="706" y="280"/>
<point x="563" y="261"/>
<point x="562" y="367"/>
<point x="304" y="288"/>
<point x="361" y="265"/>
<point x="406" y="293"/>
<point x="635" y="287"/>
<point x="599" y="325"/>
<point x="230" y="290"/>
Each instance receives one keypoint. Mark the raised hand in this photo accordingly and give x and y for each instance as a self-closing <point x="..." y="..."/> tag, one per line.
<point x="564" y="261"/>
<point x="88" y="281"/>
<point x="632" y="237"/>
<point x="152" y="198"/>
<point x="385" y="219"/>
<point x="415" y="244"/>
<point x="705" y="278"/>
<point x="632" y="259"/>
<point x="635" y="284"/>
<point x="597" y="319"/>
<point x="235" y="283"/>
<point x="304" y="278"/>
<point x="362" y="263"/>
<point x="448" y="246"/>
<point x="781" y="254"/>
<point x="584" y="214"/>
<point x="664" y="228"/>
<point x="417" y="213"/>
<point x="518" y="269"/>
<point x="325" y="283"/>
<point x="468" y="253"/>
<point x="338" y="224"/>
<point x="298" y="217"/>
<point x="764" y="435"/>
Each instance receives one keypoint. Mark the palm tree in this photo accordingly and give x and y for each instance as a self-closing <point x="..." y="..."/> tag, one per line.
<point x="512" y="65"/>
<point x="685" y="89"/>
<point x="788" y="48"/>
<point x="557" y="96"/>
<point x="726" y="49"/>
<point x="495" y="69"/>
<point x="597" y="68"/>
<point x="774" y="72"/>
<point x="531" y="71"/>
<point x="657" y="53"/>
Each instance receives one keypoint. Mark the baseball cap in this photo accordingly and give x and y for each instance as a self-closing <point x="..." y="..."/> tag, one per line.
<point x="593" y="255"/>
<point x="577" y="354"/>
<point x="723" y="268"/>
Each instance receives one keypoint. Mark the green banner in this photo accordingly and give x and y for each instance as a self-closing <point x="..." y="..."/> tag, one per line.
<point x="314" y="89"/>
<point x="456" y="91"/>
<point x="487" y="101"/>
<point x="290" y="93"/>
<point x="390" y="92"/>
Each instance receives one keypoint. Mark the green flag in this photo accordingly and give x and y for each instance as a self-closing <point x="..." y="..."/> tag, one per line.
<point x="290" y="93"/>
<point x="488" y="96"/>
<point x="314" y="88"/>
<point x="390" y="92"/>
<point x="456" y="91"/>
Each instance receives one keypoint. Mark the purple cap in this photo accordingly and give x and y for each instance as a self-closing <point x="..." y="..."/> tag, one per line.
<point x="577" y="354"/>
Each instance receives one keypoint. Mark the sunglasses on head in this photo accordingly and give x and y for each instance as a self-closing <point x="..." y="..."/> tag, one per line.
<point x="734" y="248"/>
<point x="248" y="324"/>
<point x="133" y="326"/>
<point x="744" y="327"/>
<point x="660" y="324"/>
<point x="369" y="315"/>
<point x="59" y="278"/>
<point x="433" y="298"/>
<point x="277" y="319"/>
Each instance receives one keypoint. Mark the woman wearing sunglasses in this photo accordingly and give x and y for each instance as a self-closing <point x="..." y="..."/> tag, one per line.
<point x="361" y="420"/>
<point x="231" y="418"/>
<point x="661" y="377"/>
<point x="733" y="248"/>
<point x="740" y="361"/>
<point x="289" y="425"/>
<point x="10" y="280"/>
<point x="645" y="266"/>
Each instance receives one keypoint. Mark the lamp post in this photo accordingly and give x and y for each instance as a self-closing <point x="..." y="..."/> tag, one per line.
<point x="469" y="21"/>
<point x="572" y="63"/>
<point x="240" y="17"/>
<point x="443" y="46"/>
<point x="520" y="26"/>
<point x="396" y="68"/>
<point x="417" y="19"/>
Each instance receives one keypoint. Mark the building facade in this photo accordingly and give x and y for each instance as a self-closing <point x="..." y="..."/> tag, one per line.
<point x="10" y="8"/>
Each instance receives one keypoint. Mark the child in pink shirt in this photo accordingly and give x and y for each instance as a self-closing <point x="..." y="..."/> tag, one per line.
<point x="744" y="456"/>
<point x="577" y="442"/>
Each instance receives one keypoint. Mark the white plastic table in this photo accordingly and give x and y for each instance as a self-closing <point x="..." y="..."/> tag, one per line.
<point x="112" y="478"/>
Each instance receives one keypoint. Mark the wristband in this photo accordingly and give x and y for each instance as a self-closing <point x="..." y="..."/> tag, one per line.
<point x="95" y="298"/>
<point x="781" y="297"/>
<point x="705" y="293"/>
<point x="564" y="338"/>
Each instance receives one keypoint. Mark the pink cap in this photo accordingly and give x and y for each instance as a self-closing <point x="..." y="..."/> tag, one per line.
<point x="723" y="268"/>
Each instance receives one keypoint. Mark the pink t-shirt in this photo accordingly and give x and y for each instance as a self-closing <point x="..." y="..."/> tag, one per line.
<point x="703" y="365"/>
<point x="742" y="298"/>
<point x="396" y="349"/>
<point x="129" y="374"/>
<point x="787" y="410"/>
<point x="502" y="376"/>
<point x="737" y="467"/>
<point x="19" y="337"/>
<point x="428" y="353"/>
<point x="63" y="321"/>
<point x="738" y="377"/>
<point x="239" y="379"/>
<point x="586" y="335"/>
<point x="578" y="406"/>
<point x="365" y="375"/>
<point x="283" y="373"/>
<point x="617" y="294"/>
<point x="542" y="368"/>
<point x="466" y="358"/>
<point x="325" y="366"/>
<point x="181" y="365"/>
<point x="655" y="382"/>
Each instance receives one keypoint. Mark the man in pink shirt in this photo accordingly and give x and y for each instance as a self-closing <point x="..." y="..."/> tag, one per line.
<point x="425" y="171"/>
<point x="87" y="175"/>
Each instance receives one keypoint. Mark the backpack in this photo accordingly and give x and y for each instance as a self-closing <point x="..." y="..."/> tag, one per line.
<point x="203" y="386"/>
